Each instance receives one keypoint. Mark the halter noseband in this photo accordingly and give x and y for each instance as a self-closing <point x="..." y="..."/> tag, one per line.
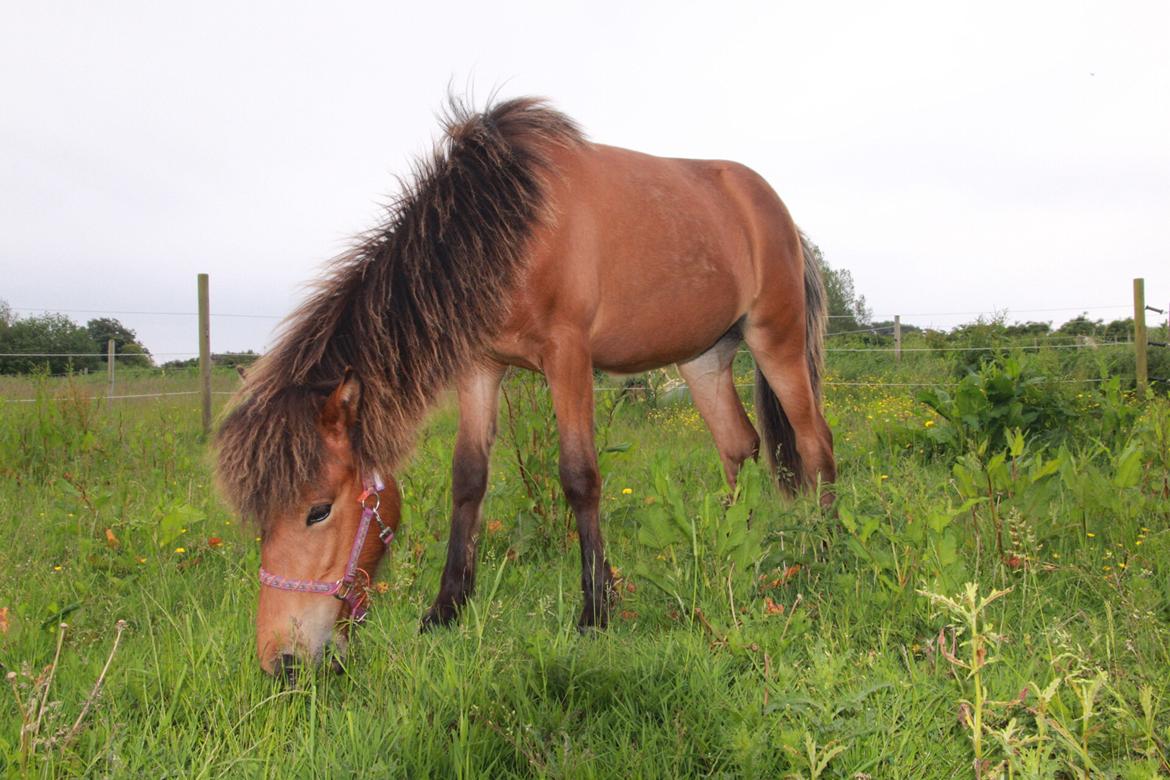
<point x="353" y="587"/>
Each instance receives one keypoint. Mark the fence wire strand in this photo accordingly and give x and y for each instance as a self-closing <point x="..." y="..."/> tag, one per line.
<point x="148" y="313"/>
<point x="982" y="349"/>
<point x="120" y="397"/>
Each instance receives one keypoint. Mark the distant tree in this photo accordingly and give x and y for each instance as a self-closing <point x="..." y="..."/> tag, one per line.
<point x="847" y="309"/>
<point x="982" y="331"/>
<point x="135" y="355"/>
<point x="5" y="324"/>
<point x="1028" y="329"/>
<point x="126" y="342"/>
<point x="886" y="327"/>
<point x="49" y="340"/>
<point x="1118" y="330"/>
<point x="237" y="359"/>
<point x="1080" y="325"/>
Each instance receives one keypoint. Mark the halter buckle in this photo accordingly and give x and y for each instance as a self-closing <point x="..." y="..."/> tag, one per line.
<point x="366" y="495"/>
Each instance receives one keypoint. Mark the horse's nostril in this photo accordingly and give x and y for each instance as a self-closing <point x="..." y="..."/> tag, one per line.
<point x="288" y="668"/>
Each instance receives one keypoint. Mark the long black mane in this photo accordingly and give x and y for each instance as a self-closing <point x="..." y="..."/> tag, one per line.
<point x="406" y="308"/>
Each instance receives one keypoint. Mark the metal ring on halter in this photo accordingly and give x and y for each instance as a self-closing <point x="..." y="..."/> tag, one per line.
<point x="377" y="501"/>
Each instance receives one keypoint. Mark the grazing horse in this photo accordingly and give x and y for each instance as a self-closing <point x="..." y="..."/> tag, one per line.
<point x="518" y="243"/>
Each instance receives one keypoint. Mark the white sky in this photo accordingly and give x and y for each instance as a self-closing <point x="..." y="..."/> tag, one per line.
<point x="956" y="157"/>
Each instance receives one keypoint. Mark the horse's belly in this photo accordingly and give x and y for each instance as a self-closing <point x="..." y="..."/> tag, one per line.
<point x="672" y="320"/>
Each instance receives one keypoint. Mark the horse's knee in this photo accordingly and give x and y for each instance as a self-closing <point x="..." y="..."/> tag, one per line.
<point x="468" y="480"/>
<point x="581" y="481"/>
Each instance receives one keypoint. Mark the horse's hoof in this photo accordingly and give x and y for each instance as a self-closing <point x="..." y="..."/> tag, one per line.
<point x="436" y="618"/>
<point x="590" y="623"/>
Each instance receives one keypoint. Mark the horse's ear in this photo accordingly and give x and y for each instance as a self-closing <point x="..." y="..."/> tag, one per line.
<point x="340" y="410"/>
<point x="243" y="372"/>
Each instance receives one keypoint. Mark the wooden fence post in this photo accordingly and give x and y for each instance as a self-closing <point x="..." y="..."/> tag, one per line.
<point x="897" y="338"/>
<point x="1140" y="341"/>
<point x="204" y="353"/>
<point x="110" y="365"/>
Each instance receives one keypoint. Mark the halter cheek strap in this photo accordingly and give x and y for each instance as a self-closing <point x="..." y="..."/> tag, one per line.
<point x="353" y="587"/>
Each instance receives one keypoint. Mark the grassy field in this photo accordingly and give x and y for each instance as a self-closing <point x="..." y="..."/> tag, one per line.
<point x="754" y="637"/>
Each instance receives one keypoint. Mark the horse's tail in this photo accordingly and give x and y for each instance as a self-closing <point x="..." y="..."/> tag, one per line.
<point x="779" y="437"/>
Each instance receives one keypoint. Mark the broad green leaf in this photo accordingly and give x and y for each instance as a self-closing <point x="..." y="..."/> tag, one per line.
<point x="178" y="518"/>
<point x="1129" y="467"/>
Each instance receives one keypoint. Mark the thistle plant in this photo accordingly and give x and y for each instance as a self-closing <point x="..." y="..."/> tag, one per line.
<point x="969" y="607"/>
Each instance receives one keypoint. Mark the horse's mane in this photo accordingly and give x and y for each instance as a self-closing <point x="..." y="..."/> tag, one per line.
<point x="406" y="308"/>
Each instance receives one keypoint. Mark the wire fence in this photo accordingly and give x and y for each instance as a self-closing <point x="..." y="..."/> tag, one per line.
<point x="672" y="382"/>
<point x="126" y="396"/>
<point x="987" y="348"/>
<point x="984" y="348"/>
<point x="1041" y="342"/>
<point x="124" y="312"/>
<point x="98" y="354"/>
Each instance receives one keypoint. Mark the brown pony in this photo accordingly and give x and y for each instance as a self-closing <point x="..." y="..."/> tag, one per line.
<point x="519" y="243"/>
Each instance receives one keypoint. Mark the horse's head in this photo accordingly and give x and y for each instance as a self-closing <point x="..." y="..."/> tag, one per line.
<point x="319" y="539"/>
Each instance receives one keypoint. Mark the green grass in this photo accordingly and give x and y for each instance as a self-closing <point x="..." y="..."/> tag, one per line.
<point x="829" y="661"/>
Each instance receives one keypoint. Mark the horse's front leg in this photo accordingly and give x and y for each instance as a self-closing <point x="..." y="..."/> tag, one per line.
<point x="569" y="370"/>
<point x="479" y="393"/>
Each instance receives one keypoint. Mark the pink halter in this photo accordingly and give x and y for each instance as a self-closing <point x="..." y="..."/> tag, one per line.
<point x="348" y="588"/>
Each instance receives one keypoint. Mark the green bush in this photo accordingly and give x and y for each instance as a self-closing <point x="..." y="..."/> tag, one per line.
<point x="1002" y="395"/>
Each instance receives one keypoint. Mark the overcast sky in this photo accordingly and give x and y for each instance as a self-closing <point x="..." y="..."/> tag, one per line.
<point x="955" y="157"/>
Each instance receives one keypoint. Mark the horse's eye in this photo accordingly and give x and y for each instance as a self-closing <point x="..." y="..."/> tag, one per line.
<point x="318" y="514"/>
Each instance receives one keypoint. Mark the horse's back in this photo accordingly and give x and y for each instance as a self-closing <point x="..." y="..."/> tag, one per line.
<point x="656" y="257"/>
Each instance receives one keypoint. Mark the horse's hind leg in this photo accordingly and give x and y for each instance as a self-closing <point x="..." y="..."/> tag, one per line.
<point x="712" y="385"/>
<point x="479" y="393"/>
<point x="779" y="351"/>
<point x="568" y="368"/>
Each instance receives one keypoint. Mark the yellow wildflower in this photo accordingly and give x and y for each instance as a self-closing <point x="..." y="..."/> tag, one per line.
<point x="627" y="491"/>
<point x="180" y="550"/>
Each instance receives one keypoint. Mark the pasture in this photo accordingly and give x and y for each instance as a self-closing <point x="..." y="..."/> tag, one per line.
<point x="753" y="637"/>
